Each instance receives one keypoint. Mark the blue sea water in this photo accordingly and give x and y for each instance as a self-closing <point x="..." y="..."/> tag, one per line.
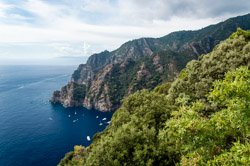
<point x="33" y="131"/>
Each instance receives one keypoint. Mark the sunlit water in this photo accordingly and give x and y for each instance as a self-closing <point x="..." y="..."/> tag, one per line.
<point x="32" y="131"/>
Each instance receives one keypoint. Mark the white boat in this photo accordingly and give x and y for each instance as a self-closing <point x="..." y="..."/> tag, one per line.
<point x="104" y="119"/>
<point x="21" y="87"/>
<point x="97" y="116"/>
<point x="75" y="113"/>
<point x="109" y="122"/>
<point x="100" y="124"/>
<point x="88" y="138"/>
<point x="69" y="116"/>
<point x="75" y="120"/>
<point x="50" y="118"/>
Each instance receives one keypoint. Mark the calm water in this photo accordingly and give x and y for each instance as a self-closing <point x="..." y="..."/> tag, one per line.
<point x="32" y="131"/>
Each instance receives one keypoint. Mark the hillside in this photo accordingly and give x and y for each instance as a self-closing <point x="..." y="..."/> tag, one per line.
<point x="144" y="63"/>
<point x="203" y="118"/>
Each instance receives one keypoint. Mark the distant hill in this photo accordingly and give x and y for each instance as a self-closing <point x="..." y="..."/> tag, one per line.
<point x="144" y="63"/>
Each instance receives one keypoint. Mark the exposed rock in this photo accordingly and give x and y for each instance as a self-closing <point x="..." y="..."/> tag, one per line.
<point x="97" y="95"/>
<point x="64" y="96"/>
<point x="156" y="62"/>
<point x="142" y="72"/>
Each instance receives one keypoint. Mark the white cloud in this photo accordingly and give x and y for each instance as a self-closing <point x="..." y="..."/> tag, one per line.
<point x="97" y="6"/>
<point x="83" y="27"/>
<point x="3" y="8"/>
<point x="45" y="13"/>
<point x="74" y="49"/>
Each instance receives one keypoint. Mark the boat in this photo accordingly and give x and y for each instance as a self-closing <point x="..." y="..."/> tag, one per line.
<point x="69" y="116"/>
<point x="100" y="124"/>
<point x="97" y="116"/>
<point x="88" y="138"/>
<point x="75" y="120"/>
<point x="104" y="119"/>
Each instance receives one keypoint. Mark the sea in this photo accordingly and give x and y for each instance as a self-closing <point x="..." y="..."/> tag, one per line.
<point x="34" y="132"/>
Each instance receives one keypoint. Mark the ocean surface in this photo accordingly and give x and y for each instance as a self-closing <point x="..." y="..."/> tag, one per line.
<point x="34" y="132"/>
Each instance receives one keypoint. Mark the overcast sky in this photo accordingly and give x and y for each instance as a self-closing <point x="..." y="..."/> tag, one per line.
<point x="68" y="31"/>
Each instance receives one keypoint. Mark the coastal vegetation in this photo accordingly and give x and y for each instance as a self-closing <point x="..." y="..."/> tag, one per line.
<point x="201" y="118"/>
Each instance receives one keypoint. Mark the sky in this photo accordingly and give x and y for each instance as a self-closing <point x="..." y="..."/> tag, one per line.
<point x="67" y="32"/>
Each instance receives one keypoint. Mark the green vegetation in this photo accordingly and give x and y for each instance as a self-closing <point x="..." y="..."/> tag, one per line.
<point x="126" y="76"/>
<point x="119" y="79"/>
<point x="196" y="80"/>
<point x="196" y="139"/>
<point x="79" y="92"/>
<point x="163" y="88"/>
<point x="202" y="118"/>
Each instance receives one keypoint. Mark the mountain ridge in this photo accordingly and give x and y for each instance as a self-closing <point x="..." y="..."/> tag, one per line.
<point x="142" y="63"/>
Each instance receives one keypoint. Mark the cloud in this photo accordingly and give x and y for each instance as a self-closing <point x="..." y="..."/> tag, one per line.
<point x="149" y="10"/>
<point x="73" y="49"/>
<point x="3" y="9"/>
<point x="98" y="6"/>
<point x="83" y="27"/>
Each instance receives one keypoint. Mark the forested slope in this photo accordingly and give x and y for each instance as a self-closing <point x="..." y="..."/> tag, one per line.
<point x="202" y="118"/>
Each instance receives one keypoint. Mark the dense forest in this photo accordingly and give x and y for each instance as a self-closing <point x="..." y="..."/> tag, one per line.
<point x="201" y="118"/>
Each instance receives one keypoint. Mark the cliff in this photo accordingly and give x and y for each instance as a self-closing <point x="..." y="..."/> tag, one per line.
<point x="144" y="63"/>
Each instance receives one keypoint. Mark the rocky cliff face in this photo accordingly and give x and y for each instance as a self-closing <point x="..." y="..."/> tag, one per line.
<point x="108" y="77"/>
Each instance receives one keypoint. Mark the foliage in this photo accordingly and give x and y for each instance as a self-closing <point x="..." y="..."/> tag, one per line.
<point x="163" y="88"/>
<point x="124" y="78"/>
<point x="197" y="78"/>
<point x="132" y="136"/>
<point x="79" y="92"/>
<point x="238" y="155"/>
<point x="75" y="158"/>
<point x="119" y="79"/>
<point x="196" y="139"/>
<point x="203" y="119"/>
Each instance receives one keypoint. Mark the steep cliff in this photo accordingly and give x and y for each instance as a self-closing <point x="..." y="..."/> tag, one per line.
<point x="144" y="63"/>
